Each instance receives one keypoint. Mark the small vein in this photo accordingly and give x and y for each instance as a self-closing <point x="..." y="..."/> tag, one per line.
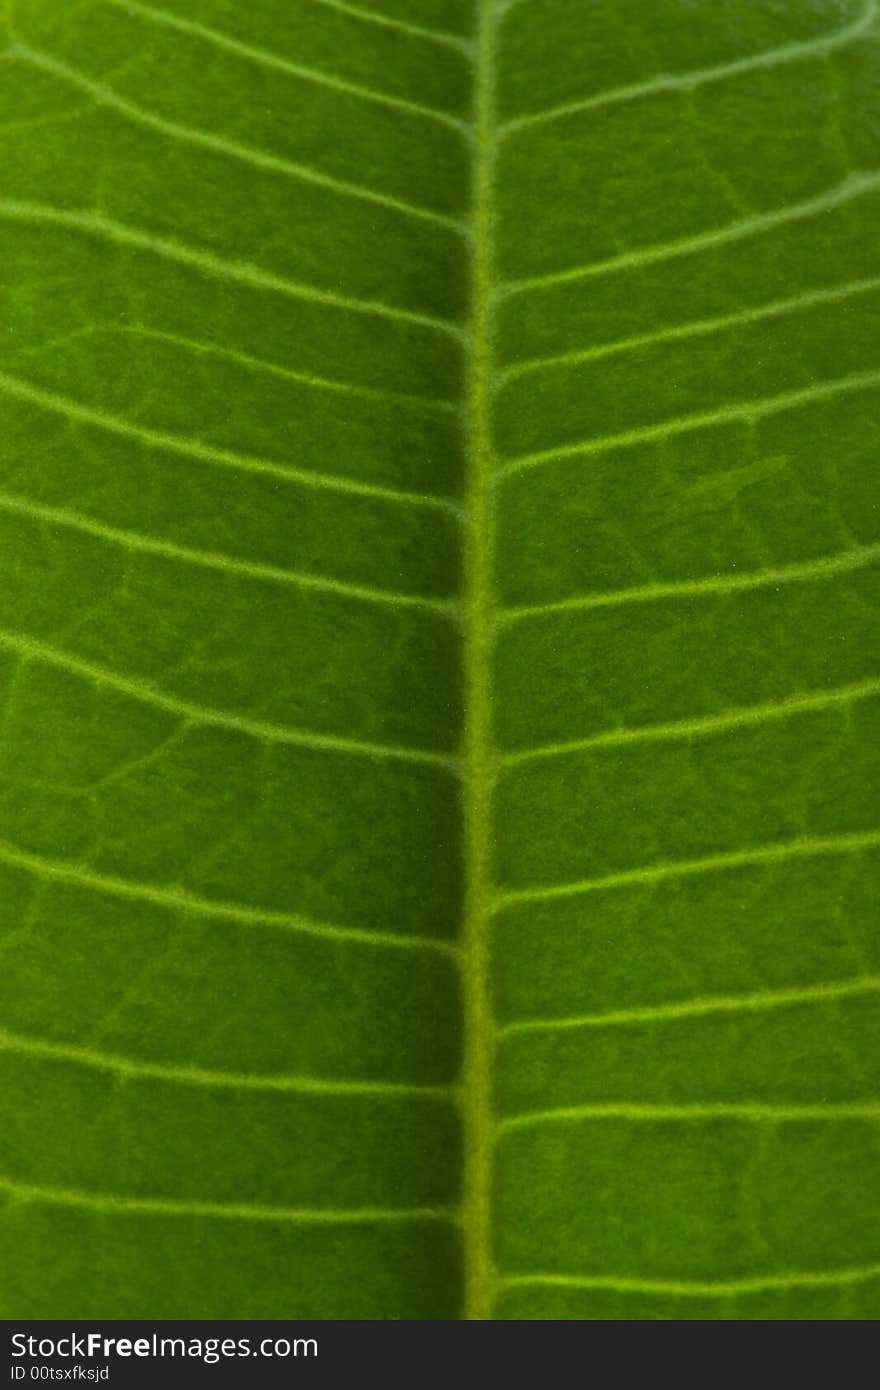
<point x="755" y="1002"/>
<point x="698" y="328"/>
<point x="219" y="267"/>
<point x="136" y="1070"/>
<point x="822" y="567"/>
<point x="267" y="732"/>
<point x="225" y="458"/>
<point x="728" y="720"/>
<point x="686" y="81"/>
<point x="750" y="1112"/>
<point x="181" y="900"/>
<point x="114" y="1205"/>
<point x="320" y="383"/>
<point x="400" y="26"/>
<point x="105" y="96"/>
<point x="804" y="848"/>
<point x="265" y="58"/>
<point x="686" y="424"/>
<point x="225" y="564"/>
<point x="689" y="1288"/>
<point x="853" y="186"/>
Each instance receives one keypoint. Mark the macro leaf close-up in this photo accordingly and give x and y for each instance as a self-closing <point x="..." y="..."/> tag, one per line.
<point x="438" y="682"/>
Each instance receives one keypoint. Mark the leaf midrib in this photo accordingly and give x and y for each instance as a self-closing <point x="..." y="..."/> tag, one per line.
<point x="477" y="755"/>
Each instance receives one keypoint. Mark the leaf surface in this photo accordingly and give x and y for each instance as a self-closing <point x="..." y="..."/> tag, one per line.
<point x="438" y="510"/>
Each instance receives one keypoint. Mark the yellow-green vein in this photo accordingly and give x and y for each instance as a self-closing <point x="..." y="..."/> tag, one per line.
<point x="477" y="730"/>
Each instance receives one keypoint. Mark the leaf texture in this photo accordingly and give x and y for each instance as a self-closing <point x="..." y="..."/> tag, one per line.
<point x="438" y="514"/>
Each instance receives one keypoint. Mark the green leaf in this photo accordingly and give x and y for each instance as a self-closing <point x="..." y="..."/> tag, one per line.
<point x="438" y="781"/>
